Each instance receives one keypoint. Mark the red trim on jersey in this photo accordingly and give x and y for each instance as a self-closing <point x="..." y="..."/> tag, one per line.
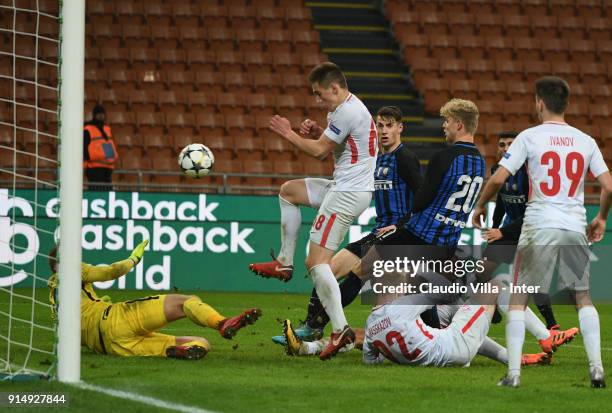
<point x="349" y="97"/>
<point x="517" y="266"/>
<point x="328" y="228"/>
<point x="471" y="321"/>
<point x="530" y="182"/>
<point x="425" y="333"/>
<point x="373" y="138"/>
<point x="554" y="123"/>
<point x="353" y="145"/>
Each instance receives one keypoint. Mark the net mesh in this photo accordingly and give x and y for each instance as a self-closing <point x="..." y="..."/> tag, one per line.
<point x="29" y="107"/>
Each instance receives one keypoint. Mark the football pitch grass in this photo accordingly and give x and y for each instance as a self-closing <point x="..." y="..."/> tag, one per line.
<point x="251" y="374"/>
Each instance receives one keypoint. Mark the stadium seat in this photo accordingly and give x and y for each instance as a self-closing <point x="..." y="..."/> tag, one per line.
<point x="461" y="24"/>
<point x="229" y="166"/>
<point x="601" y="94"/>
<point x="499" y="48"/>
<point x="209" y="81"/>
<point x="261" y="104"/>
<point x="544" y="27"/>
<point x="535" y="7"/>
<point x="599" y="28"/>
<point x="249" y="40"/>
<point x="288" y="168"/>
<point x="516" y="25"/>
<point x="582" y="50"/>
<point x="240" y="125"/>
<point x="157" y="13"/>
<point x="433" y="23"/>
<point x="249" y="149"/>
<point x="215" y="16"/>
<point x="490" y="111"/>
<point x="290" y="105"/>
<point x="165" y="37"/>
<point x="482" y="69"/>
<point x="257" y="62"/>
<point x="464" y="89"/>
<point x="220" y="39"/>
<point x="424" y="68"/>
<point x="593" y="73"/>
<point x="568" y="71"/>
<point x="415" y="45"/>
<point x="172" y="60"/>
<point x="202" y="101"/>
<point x="270" y="16"/>
<point x="577" y="113"/>
<point x="143" y="59"/>
<point x="127" y="12"/>
<point x="443" y="46"/>
<point x="240" y="16"/>
<point x="231" y="104"/>
<point x="517" y="112"/>
<point x="170" y="99"/>
<point x="221" y="146"/>
<point x="178" y="123"/>
<point x="572" y="27"/>
<point x="210" y="124"/>
<point x="435" y="86"/>
<point x="135" y="36"/>
<point x="309" y="60"/>
<point x="589" y="8"/>
<point x="305" y="41"/>
<point x="521" y="91"/>
<point x="314" y="167"/>
<point x="227" y="61"/>
<point x="298" y="18"/>
<point x="258" y="167"/>
<point x="471" y="47"/>
<point x="169" y="165"/>
<point x="600" y="113"/>
<point x="604" y="50"/>
<point x="185" y="14"/>
<point x="278" y="149"/>
<point x="286" y="63"/>
<point x="527" y="48"/>
<point x="277" y="41"/>
<point x="535" y="69"/>
<point x="294" y="83"/>
<point x="489" y="25"/>
<point x="491" y="90"/>
<point x="267" y="83"/>
<point x="198" y="59"/>
<point x="192" y="38"/>
<point x="237" y="81"/>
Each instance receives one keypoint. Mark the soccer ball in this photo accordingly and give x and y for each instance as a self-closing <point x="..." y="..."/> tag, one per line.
<point x="196" y="160"/>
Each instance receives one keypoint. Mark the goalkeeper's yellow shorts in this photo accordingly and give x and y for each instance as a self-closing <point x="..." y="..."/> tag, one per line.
<point x="129" y="328"/>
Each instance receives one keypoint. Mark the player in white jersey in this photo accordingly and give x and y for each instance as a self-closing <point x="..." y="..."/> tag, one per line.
<point x="558" y="157"/>
<point x="351" y="136"/>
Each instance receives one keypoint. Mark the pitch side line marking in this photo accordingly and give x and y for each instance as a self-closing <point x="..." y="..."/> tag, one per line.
<point x="151" y="401"/>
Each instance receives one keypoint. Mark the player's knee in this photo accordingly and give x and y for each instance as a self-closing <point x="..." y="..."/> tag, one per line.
<point x="287" y="192"/>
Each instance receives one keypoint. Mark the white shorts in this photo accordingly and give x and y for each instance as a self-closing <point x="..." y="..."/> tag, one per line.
<point x="468" y="330"/>
<point x="541" y="251"/>
<point x="335" y="216"/>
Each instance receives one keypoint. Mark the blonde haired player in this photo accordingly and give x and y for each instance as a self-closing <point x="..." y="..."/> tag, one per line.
<point x="351" y="136"/>
<point x="129" y="328"/>
<point x="558" y="157"/>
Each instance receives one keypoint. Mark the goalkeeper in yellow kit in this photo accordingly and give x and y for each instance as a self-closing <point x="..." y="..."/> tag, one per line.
<point x="129" y="328"/>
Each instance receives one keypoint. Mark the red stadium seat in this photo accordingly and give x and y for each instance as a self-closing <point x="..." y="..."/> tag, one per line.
<point x="491" y="90"/>
<point x="489" y="25"/>
<point x="499" y="48"/>
<point x="220" y="39"/>
<point x="527" y="48"/>
<point x="471" y="48"/>
<point x="250" y="40"/>
<point x="261" y="104"/>
<point x="231" y="104"/>
<point x="464" y="89"/>
<point x="249" y="149"/>
<point x="461" y="24"/>
<point x="481" y="69"/>
<point x="544" y="27"/>
<point x="270" y="17"/>
<point x="516" y="25"/>
<point x="288" y="168"/>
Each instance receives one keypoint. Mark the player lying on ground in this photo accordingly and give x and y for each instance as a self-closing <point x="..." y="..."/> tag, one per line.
<point x="129" y="328"/>
<point x="397" y="177"/>
<point x="351" y="136"/>
<point x="558" y="157"/>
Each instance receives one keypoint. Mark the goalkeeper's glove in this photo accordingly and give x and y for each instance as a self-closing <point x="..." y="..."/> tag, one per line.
<point x="139" y="252"/>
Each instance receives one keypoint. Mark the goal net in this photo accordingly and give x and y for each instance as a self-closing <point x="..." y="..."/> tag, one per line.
<point x="30" y="108"/>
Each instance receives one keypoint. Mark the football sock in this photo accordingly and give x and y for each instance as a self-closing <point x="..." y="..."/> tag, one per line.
<point x="589" y="327"/>
<point x="532" y="323"/>
<point x="308" y="348"/>
<point x="291" y="219"/>
<point x="201" y="313"/>
<point x="329" y="294"/>
<point x="493" y="350"/>
<point x="542" y="302"/>
<point x="349" y="290"/>
<point x="515" y="336"/>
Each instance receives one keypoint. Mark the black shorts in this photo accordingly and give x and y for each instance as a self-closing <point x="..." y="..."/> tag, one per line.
<point x="419" y="248"/>
<point x="501" y="251"/>
<point x="361" y="247"/>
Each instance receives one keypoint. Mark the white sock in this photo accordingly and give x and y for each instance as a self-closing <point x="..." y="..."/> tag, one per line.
<point x="515" y="336"/>
<point x="589" y="327"/>
<point x="329" y="294"/>
<point x="311" y="348"/>
<point x="535" y="326"/>
<point x="291" y="219"/>
<point x="493" y="350"/>
<point x="532" y="323"/>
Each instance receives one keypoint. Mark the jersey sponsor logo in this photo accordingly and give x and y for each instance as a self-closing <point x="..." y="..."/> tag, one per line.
<point x="383" y="184"/>
<point x="334" y="129"/>
<point x="449" y="221"/>
<point x="514" y="199"/>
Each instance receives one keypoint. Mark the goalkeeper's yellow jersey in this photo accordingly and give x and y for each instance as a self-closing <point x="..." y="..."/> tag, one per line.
<point x="92" y="307"/>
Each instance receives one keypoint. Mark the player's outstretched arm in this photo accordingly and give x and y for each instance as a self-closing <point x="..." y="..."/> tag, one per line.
<point x="115" y="270"/>
<point x="318" y="148"/>
<point x="488" y="192"/>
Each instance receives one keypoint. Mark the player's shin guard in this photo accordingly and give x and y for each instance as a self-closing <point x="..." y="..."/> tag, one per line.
<point x="201" y="313"/>
<point x="291" y="219"/>
<point x="329" y="294"/>
<point x="515" y="336"/>
<point x="589" y="327"/>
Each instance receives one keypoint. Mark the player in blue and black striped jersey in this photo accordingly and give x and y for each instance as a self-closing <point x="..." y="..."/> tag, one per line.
<point x="507" y="223"/>
<point x="452" y="183"/>
<point x="397" y="179"/>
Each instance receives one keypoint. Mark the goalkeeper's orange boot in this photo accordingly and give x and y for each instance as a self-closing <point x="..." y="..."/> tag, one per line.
<point x="557" y="338"/>
<point x="186" y="352"/>
<point x="230" y="326"/>
<point x="336" y="342"/>
<point x="273" y="269"/>
<point x="538" y="358"/>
